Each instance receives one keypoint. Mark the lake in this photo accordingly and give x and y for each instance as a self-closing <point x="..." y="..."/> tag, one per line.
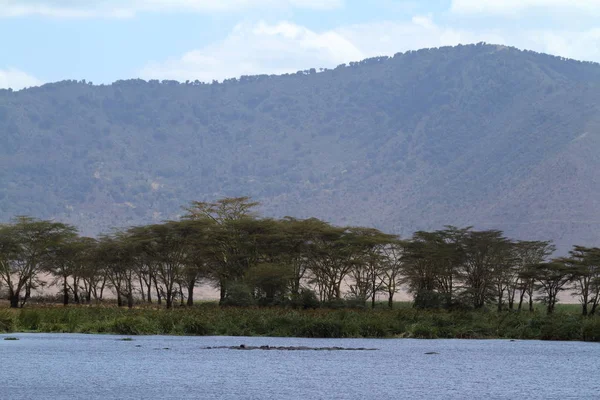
<point x="74" y="366"/>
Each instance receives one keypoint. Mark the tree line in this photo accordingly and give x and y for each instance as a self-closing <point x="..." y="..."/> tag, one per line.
<point x="290" y="262"/>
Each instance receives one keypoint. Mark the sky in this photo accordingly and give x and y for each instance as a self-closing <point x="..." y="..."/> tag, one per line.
<point x="106" y="40"/>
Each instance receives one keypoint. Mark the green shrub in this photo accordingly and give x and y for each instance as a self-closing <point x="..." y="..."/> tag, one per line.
<point x="307" y="300"/>
<point x="423" y="331"/>
<point x="335" y="304"/>
<point x="322" y="329"/>
<point x="375" y="329"/>
<point x="131" y="326"/>
<point x="239" y="295"/>
<point x="7" y="321"/>
<point x="591" y="329"/>
<point x="356" y="303"/>
<point x="428" y="299"/>
<point x="561" y="327"/>
<point x="194" y="326"/>
<point x="29" y="320"/>
<point x="167" y="321"/>
<point x="53" y="327"/>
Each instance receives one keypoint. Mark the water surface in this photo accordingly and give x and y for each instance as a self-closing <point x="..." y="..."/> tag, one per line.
<point x="73" y="366"/>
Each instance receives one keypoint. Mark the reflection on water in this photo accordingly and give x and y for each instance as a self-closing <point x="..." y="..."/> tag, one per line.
<point x="70" y="366"/>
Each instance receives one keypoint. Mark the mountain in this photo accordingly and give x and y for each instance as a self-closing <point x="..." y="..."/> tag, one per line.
<point x="480" y="135"/>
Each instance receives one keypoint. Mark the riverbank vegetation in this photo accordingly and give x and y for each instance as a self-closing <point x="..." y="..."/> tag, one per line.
<point x="291" y="264"/>
<point x="405" y="322"/>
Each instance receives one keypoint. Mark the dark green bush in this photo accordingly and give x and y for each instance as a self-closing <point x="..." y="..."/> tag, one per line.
<point x="591" y="329"/>
<point x="423" y="331"/>
<point x="374" y="329"/>
<point x="239" y="295"/>
<point x="561" y="327"/>
<point x="307" y="300"/>
<point x="427" y="299"/>
<point x="323" y="329"/>
<point x="132" y="326"/>
<point x="29" y="320"/>
<point x="335" y="304"/>
<point x="194" y="326"/>
<point x="7" y="321"/>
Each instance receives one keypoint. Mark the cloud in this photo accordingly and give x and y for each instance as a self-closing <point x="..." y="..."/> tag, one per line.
<point x="258" y="49"/>
<point x="16" y="79"/>
<point x="129" y="8"/>
<point x="286" y="48"/>
<point x="513" y="7"/>
<point x="580" y="45"/>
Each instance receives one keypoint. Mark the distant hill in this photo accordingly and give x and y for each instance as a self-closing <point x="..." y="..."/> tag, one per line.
<point x="479" y="135"/>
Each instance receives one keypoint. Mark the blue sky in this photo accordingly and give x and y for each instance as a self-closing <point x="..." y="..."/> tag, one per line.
<point x="105" y="40"/>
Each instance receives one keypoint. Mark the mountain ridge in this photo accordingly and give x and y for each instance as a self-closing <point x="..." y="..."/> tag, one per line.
<point x="481" y="135"/>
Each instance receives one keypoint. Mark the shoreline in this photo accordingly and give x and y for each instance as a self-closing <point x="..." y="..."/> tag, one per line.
<point x="400" y="323"/>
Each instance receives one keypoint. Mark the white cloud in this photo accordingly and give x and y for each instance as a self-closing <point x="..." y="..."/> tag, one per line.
<point x="16" y="79"/>
<point x="258" y="49"/>
<point x="580" y="45"/>
<point x="286" y="47"/>
<point x="388" y="38"/>
<point x="513" y="7"/>
<point x="128" y="8"/>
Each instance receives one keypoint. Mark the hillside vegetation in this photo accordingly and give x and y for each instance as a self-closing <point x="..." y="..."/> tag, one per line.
<point x="478" y="135"/>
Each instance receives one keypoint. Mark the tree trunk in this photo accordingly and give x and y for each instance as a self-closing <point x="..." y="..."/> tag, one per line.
<point x="14" y="299"/>
<point x="373" y="300"/>
<point x="119" y="300"/>
<point x="158" y="295"/>
<point x="130" y="299"/>
<point x="551" y="302"/>
<point x="391" y="300"/>
<point x="190" y="296"/>
<point x="521" y="298"/>
<point x="65" y="292"/>
<point x="222" y="292"/>
<point x="531" y="302"/>
<point x="149" y="291"/>
<point x="143" y="294"/>
<point x="76" y="298"/>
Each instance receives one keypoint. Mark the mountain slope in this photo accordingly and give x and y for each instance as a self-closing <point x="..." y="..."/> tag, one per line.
<point x="471" y="135"/>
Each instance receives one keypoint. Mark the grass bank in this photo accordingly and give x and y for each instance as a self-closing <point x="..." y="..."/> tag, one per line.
<point x="321" y="323"/>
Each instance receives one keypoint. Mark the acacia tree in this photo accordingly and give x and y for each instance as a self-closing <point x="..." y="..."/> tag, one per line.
<point x="93" y="276"/>
<point x="194" y="236"/>
<point x="24" y="248"/>
<point x="393" y="266"/>
<point x="66" y="260"/>
<point x="115" y="255"/>
<point x="528" y="254"/>
<point x="421" y="269"/>
<point x="330" y="260"/>
<point x="486" y="253"/>
<point x="294" y="249"/>
<point x="368" y="265"/>
<point x="584" y="263"/>
<point x="165" y="245"/>
<point x="433" y="261"/>
<point x="551" y="278"/>
<point x="231" y="244"/>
